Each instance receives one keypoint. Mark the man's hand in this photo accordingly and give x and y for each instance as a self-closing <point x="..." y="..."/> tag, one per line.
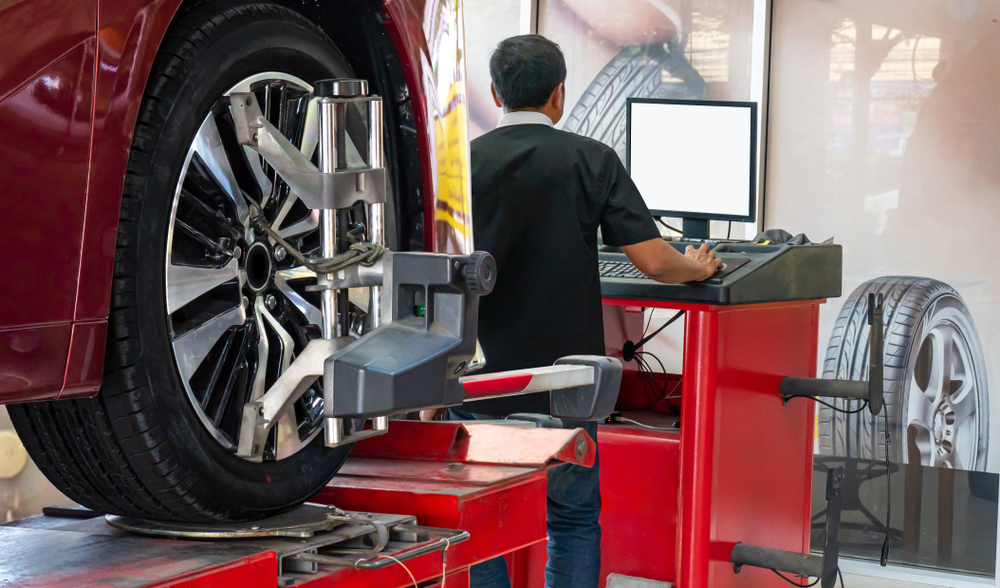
<point x="661" y="262"/>
<point x="705" y="259"/>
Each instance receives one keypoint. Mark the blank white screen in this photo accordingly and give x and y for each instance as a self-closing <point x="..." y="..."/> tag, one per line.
<point x="692" y="158"/>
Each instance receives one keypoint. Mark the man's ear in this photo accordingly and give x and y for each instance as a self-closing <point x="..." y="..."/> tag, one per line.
<point x="558" y="97"/>
<point x="496" y="99"/>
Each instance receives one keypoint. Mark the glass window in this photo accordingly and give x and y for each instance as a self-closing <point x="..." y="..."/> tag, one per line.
<point x="696" y="50"/>
<point x="487" y="22"/>
<point x="884" y="132"/>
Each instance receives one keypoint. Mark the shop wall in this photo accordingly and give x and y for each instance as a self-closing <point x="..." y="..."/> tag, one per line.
<point x="884" y="129"/>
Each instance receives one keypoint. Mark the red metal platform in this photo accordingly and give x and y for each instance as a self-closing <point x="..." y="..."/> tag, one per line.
<point x="487" y="479"/>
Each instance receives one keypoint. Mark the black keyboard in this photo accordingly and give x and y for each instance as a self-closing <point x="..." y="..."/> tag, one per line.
<point x="620" y="269"/>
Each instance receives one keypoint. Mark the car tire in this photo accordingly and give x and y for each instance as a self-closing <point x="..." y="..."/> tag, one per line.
<point x="635" y="72"/>
<point x="942" y="418"/>
<point x="139" y="448"/>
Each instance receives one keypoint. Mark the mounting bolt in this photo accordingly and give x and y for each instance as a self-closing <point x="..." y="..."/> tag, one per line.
<point x="455" y="467"/>
<point x="280" y="253"/>
<point x="270" y="301"/>
<point x="246" y="302"/>
<point x="255" y="137"/>
<point x="237" y="252"/>
<point x="255" y="528"/>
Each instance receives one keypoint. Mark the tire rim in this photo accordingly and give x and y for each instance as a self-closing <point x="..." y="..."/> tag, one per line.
<point x="943" y="403"/>
<point x="237" y="306"/>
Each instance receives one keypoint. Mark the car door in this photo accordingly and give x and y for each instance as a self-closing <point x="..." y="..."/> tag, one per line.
<point x="47" y="56"/>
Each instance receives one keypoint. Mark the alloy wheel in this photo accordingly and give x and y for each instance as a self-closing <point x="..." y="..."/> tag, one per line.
<point x="237" y="304"/>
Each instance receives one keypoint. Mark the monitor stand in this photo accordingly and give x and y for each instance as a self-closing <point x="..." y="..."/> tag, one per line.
<point x="695" y="228"/>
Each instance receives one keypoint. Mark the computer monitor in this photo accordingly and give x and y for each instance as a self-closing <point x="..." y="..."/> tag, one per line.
<point x="694" y="159"/>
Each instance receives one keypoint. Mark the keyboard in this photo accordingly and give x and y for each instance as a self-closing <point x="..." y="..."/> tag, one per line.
<point x="619" y="269"/>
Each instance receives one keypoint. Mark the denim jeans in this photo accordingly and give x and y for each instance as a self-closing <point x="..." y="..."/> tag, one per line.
<point x="573" y="510"/>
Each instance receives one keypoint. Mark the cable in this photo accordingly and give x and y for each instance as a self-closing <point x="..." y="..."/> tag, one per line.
<point x="663" y="392"/>
<point x="841" y="577"/>
<point x="645" y="340"/>
<point x="444" y="561"/>
<point x="660" y="220"/>
<point x="415" y="585"/>
<point x="864" y="405"/>
<point x="649" y="321"/>
<point x="793" y="582"/>
<point x="644" y="425"/>
<point x="884" y="561"/>
<point x="729" y="231"/>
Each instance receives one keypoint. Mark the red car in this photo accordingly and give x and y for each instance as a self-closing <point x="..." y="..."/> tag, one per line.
<point x="130" y="337"/>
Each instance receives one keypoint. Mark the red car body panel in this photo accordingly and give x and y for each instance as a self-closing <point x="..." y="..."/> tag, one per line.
<point x="72" y="77"/>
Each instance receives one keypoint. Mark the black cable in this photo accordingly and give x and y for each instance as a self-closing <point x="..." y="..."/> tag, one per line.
<point x="660" y="220"/>
<point x="841" y="578"/>
<point x="650" y="374"/>
<point x="645" y="340"/>
<point x="729" y="231"/>
<point x="827" y="404"/>
<point x="793" y="582"/>
<point x="648" y="384"/>
<point x="649" y="321"/>
<point x="888" y="490"/>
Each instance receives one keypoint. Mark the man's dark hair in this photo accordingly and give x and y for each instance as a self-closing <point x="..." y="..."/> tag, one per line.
<point x="525" y="70"/>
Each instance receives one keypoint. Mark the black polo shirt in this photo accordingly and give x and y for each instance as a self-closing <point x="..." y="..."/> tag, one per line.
<point x="538" y="197"/>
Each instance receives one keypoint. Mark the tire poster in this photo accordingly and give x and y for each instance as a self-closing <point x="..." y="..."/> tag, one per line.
<point x="910" y="189"/>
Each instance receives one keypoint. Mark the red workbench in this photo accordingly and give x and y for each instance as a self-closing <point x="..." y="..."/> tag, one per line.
<point x="740" y="467"/>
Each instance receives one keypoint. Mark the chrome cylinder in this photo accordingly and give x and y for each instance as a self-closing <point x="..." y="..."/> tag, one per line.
<point x="328" y="218"/>
<point x="376" y="212"/>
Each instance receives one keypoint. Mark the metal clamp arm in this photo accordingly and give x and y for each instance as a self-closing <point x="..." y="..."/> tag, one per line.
<point x="870" y="389"/>
<point x="318" y="190"/>
<point x="581" y="387"/>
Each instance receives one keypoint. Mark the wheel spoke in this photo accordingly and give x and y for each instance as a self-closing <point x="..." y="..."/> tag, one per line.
<point x="310" y="134"/>
<point x="920" y="409"/>
<point x="941" y="363"/>
<point x="263" y="352"/>
<point x="306" y="225"/>
<point x="289" y="441"/>
<point x="964" y="408"/>
<point x="230" y="389"/>
<point x="287" y="344"/>
<point x="210" y="213"/>
<point x="257" y="169"/>
<point x="208" y="145"/>
<point x="312" y="313"/>
<point x="187" y="282"/>
<point x="191" y="348"/>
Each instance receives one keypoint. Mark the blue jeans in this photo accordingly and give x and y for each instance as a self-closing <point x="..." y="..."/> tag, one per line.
<point x="574" y="507"/>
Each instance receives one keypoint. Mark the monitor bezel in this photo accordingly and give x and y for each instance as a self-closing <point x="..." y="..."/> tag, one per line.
<point x="752" y="217"/>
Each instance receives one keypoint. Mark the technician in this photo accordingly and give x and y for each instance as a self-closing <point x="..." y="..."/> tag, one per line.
<point x="539" y="196"/>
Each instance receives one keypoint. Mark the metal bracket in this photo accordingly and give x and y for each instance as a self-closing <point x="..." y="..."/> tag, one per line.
<point x="870" y="389"/>
<point x="316" y="189"/>
<point x="823" y="567"/>
<point x="260" y="415"/>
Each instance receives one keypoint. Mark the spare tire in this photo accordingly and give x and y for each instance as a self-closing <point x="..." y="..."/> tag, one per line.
<point x="649" y="71"/>
<point x="936" y="393"/>
<point x="205" y="313"/>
